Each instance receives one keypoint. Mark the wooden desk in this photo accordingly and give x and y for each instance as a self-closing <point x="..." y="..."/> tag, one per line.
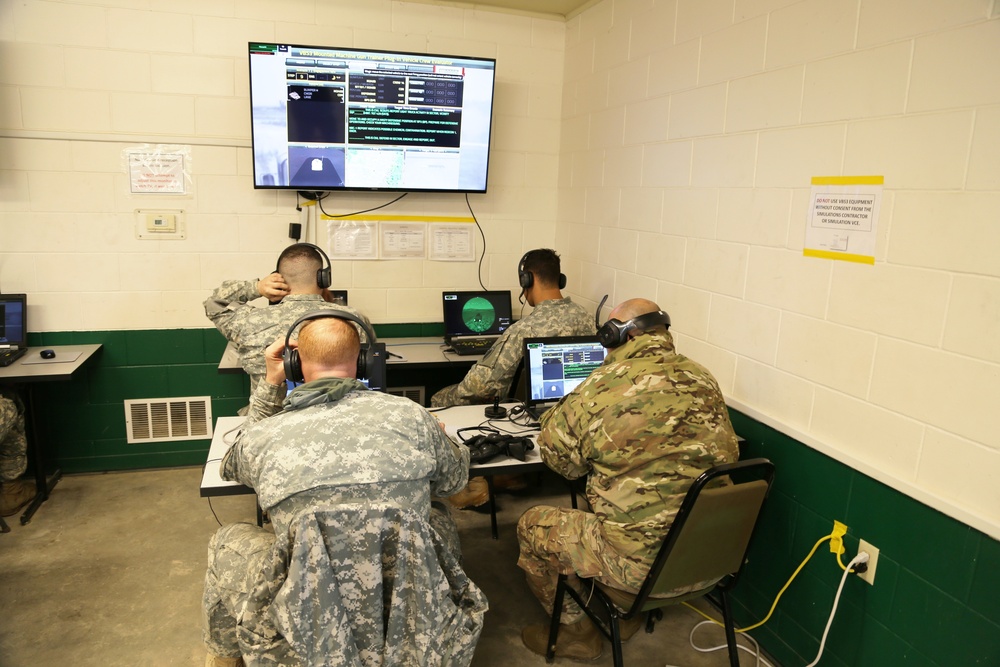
<point x="29" y="370"/>
<point x="453" y="419"/>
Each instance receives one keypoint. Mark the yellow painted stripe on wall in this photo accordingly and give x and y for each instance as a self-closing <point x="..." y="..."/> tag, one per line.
<point x="848" y="180"/>
<point x="843" y="256"/>
<point x="399" y="218"/>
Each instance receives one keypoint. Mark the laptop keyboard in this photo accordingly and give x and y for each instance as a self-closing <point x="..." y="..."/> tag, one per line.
<point x="467" y="346"/>
<point x="7" y="357"/>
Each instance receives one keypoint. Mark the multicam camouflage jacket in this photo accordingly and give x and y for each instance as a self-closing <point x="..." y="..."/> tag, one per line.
<point x="13" y="445"/>
<point x="493" y="374"/>
<point x="251" y="329"/>
<point x="643" y="426"/>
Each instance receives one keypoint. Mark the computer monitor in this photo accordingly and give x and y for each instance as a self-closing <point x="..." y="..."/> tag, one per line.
<point x="555" y="366"/>
<point x="476" y="313"/>
<point x="13" y="320"/>
<point x="339" y="296"/>
<point x="325" y="117"/>
<point x="376" y="374"/>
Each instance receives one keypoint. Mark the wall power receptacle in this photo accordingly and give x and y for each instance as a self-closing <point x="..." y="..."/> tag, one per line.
<point x="869" y="574"/>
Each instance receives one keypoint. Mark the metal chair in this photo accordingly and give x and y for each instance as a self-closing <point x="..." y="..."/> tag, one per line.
<point x="707" y="542"/>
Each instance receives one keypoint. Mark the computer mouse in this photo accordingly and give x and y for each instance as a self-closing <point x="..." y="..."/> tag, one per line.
<point x="47" y="354"/>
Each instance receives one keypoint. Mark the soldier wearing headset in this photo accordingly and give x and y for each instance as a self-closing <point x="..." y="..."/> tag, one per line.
<point x="641" y="428"/>
<point x="299" y="284"/>
<point x="542" y="281"/>
<point x="333" y="443"/>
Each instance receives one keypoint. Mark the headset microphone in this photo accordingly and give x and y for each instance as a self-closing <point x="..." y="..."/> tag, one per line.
<point x="597" y="315"/>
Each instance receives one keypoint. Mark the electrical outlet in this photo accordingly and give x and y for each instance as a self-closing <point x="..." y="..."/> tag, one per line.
<point x="869" y="574"/>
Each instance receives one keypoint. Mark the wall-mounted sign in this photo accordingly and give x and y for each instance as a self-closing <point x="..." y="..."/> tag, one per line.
<point x="157" y="170"/>
<point x="843" y="218"/>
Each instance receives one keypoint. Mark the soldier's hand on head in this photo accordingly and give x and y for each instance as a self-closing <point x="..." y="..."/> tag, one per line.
<point x="273" y="287"/>
<point x="274" y="360"/>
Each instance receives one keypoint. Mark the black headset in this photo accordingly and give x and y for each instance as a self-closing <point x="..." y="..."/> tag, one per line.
<point x="366" y="357"/>
<point x="526" y="278"/>
<point x="323" y="278"/>
<point x="615" y="332"/>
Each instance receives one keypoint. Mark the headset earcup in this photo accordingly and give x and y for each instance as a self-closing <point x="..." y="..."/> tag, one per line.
<point x="612" y="334"/>
<point x="526" y="279"/>
<point x="293" y="369"/>
<point x="323" y="278"/>
<point x="562" y="281"/>
<point x="365" y="362"/>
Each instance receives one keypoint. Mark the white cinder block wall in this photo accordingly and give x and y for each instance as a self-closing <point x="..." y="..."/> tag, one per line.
<point x="82" y="82"/>
<point x="691" y="130"/>
<point x="684" y="134"/>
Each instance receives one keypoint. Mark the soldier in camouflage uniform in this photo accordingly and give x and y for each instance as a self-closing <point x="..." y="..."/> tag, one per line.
<point x="553" y="315"/>
<point x="491" y="377"/>
<point x="293" y="291"/>
<point x="346" y="475"/>
<point x="642" y="427"/>
<point x="14" y="493"/>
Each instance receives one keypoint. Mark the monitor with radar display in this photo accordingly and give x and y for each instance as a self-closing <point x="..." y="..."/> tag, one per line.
<point x="477" y="314"/>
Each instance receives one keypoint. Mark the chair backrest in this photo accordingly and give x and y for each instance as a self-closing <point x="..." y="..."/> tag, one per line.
<point x="710" y="535"/>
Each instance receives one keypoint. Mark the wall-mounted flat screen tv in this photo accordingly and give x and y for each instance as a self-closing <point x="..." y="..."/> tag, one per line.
<point x="329" y="118"/>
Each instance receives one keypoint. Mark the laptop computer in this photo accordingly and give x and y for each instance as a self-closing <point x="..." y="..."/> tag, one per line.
<point x="13" y="327"/>
<point x="555" y="366"/>
<point x="473" y="320"/>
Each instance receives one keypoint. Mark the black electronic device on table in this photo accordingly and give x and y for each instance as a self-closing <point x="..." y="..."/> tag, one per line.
<point x="13" y="327"/>
<point x="555" y="366"/>
<point x="473" y="320"/>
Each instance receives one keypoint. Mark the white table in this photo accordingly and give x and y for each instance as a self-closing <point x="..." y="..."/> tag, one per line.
<point x="29" y="370"/>
<point x="453" y="419"/>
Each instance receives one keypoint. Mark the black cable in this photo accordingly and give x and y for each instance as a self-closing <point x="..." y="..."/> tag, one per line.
<point x="479" y="271"/>
<point x="319" y="202"/>
<point x="213" y="512"/>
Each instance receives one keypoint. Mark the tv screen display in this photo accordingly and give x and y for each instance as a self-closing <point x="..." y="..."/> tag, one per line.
<point x="329" y="118"/>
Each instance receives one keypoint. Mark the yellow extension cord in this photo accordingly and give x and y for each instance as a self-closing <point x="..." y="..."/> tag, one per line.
<point x="783" y="588"/>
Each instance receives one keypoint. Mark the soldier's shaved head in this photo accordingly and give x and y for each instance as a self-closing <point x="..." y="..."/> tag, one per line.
<point x="633" y="308"/>
<point x="298" y="265"/>
<point x="329" y="346"/>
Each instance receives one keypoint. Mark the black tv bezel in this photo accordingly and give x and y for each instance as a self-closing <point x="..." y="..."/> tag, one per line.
<point x="345" y="188"/>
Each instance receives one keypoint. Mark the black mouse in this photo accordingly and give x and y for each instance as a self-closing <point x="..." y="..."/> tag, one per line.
<point x="47" y="354"/>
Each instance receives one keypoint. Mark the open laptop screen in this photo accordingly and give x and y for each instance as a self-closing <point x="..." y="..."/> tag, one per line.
<point x="555" y="366"/>
<point x="476" y="313"/>
<point x="376" y="375"/>
<point x="13" y="320"/>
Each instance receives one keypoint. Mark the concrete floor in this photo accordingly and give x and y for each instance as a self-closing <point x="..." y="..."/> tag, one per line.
<point x="109" y="572"/>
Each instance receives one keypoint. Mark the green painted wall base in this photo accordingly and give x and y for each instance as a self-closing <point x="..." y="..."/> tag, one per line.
<point x="935" y="598"/>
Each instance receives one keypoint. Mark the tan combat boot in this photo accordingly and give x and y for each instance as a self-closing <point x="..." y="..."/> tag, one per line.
<point x="15" y="495"/>
<point x="580" y="641"/>
<point x="475" y="493"/>
<point x="216" y="661"/>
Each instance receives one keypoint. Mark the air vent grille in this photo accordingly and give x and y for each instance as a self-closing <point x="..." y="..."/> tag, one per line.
<point x="415" y="394"/>
<point x="168" y="419"/>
